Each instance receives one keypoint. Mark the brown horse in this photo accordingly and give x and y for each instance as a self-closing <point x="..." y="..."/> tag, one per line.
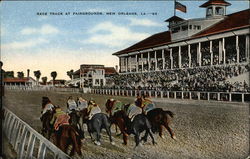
<point x="67" y="135"/>
<point x="158" y="118"/>
<point x="118" y="118"/>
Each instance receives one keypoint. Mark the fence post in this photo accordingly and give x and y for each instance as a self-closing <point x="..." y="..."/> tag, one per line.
<point x="161" y="94"/>
<point x="174" y="95"/>
<point x="199" y="95"/>
<point x="242" y="97"/>
<point x="218" y="96"/>
<point x="230" y="97"/>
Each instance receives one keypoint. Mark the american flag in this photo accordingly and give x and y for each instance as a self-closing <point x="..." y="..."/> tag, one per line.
<point x="180" y="7"/>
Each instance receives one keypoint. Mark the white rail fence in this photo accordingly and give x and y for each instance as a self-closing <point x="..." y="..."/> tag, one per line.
<point x="192" y="95"/>
<point x="28" y="143"/>
<point x="42" y="88"/>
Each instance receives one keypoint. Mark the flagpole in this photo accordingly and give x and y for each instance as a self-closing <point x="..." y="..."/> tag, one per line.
<point x="174" y="7"/>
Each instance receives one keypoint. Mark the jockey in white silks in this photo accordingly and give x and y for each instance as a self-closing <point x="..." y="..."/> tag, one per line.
<point x="47" y="107"/>
<point x="82" y="103"/>
<point x="132" y="111"/>
<point x="71" y="104"/>
<point x="93" y="109"/>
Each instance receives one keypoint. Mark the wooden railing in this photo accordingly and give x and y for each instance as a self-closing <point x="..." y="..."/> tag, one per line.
<point x="28" y="143"/>
<point x="192" y="95"/>
<point x="42" y="88"/>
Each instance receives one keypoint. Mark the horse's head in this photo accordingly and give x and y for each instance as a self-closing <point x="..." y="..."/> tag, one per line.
<point x="84" y="114"/>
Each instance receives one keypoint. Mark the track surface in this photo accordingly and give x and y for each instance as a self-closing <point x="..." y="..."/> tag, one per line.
<point x="204" y="130"/>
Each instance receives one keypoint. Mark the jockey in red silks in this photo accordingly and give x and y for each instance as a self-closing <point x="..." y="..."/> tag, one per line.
<point x="59" y="118"/>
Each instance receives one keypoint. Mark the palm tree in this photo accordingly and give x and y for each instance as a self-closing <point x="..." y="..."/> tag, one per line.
<point x="9" y="74"/>
<point x="70" y="74"/>
<point x="44" y="79"/>
<point x="20" y="74"/>
<point x="37" y="74"/>
<point x="53" y="75"/>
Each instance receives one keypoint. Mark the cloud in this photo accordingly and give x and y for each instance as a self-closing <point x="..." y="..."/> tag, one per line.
<point x="143" y="22"/>
<point x="23" y="44"/>
<point x="44" y="30"/>
<point x="112" y="35"/>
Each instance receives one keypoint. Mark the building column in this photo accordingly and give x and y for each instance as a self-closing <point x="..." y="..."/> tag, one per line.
<point x="129" y="63"/>
<point x="163" y="59"/>
<point x="189" y="56"/>
<point x="220" y="51"/>
<point x="247" y="48"/>
<point x="237" y="49"/>
<point x="199" y="54"/>
<point x="142" y="62"/>
<point x="156" y="63"/>
<point x="211" y="53"/>
<point x="171" y="58"/>
<point x="179" y="59"/>
<point x="126" y="63"/>
<point x="149" y="63"/>
<point x="137" y="62"/>
<point x="224" y="51"/>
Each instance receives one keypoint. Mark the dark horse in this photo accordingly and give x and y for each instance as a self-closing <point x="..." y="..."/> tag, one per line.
<point x="158" y="118"/>
<point x="98" y="122"/>
<point x="74" y="121"/>
<point x="139" y="124"/>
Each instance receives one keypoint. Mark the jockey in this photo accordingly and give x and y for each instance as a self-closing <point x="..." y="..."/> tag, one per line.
<point x="132" y="111"/>
<point x="117" y="106"/>
<point x="147" y="104"/>
<point x="59" y="118"/>
<point x="71" y="105"/>
<point x="93" y="109"/>
<point x="82" y="103"/>
<point x="46" y="105"/>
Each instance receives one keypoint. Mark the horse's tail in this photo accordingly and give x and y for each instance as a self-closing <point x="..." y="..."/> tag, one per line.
<point x="167" y="112"/>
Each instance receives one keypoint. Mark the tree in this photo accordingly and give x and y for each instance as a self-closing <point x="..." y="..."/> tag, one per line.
<point x="9" y="74"/>
<point x="44" y="79"/>
<point x="37" y="74"/>
<point x="70" y="74"/>
<point x="53" y="75"/>
<point x="20" y="74"/>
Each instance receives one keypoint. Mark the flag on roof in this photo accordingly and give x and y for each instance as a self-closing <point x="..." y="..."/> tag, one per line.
<point x="180" y="7"/>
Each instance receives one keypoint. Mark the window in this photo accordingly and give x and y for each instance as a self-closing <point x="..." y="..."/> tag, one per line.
<point x="185" y="27"/>
<point x="190" y="27"/>
<point x="219" y="11"/>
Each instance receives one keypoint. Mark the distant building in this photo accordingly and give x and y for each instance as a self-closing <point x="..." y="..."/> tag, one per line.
<point x="92" y="75"/>
<point x="25" y="81"/>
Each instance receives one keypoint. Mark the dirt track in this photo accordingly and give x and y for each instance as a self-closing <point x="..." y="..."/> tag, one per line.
<point x="206" y="130"/>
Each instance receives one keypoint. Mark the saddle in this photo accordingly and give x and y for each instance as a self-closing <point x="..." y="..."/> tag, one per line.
<point x="148" y="107"/>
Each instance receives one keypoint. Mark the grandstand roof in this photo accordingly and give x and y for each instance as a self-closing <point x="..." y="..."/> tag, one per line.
<point x="231" y="22"/>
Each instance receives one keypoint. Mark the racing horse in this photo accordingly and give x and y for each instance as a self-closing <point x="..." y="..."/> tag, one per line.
<point x="158" y="118"/>
<point x="75" y="122"/>
<point x="98" y="122"/>
<point x="139" y="123"/>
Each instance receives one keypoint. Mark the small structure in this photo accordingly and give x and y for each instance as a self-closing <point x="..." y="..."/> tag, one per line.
<point x="25" y="81"/>
<point x="59" y="82"/>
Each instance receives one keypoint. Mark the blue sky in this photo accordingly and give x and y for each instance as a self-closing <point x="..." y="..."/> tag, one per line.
<point x="63" y="42"/>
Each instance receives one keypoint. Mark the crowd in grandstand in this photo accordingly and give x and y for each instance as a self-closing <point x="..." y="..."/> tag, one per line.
<point x="206" y="78"/>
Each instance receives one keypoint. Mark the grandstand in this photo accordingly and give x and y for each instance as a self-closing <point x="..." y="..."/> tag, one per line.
<point x="200" y="54"/>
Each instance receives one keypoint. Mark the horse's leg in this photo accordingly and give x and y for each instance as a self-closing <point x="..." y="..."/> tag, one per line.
<point x="160" y="131"/>
<point x="121" y="125"/>
<point x="98" y="136"/>
<point x="81" y="127"/>
<point x="137" y="140"/>
<point x="169" y="130"/>
<point x="151" y="135"/>
<point x="75" y="143"/>
<point x="109" y="134"/>
<point x="145" y="137"/>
